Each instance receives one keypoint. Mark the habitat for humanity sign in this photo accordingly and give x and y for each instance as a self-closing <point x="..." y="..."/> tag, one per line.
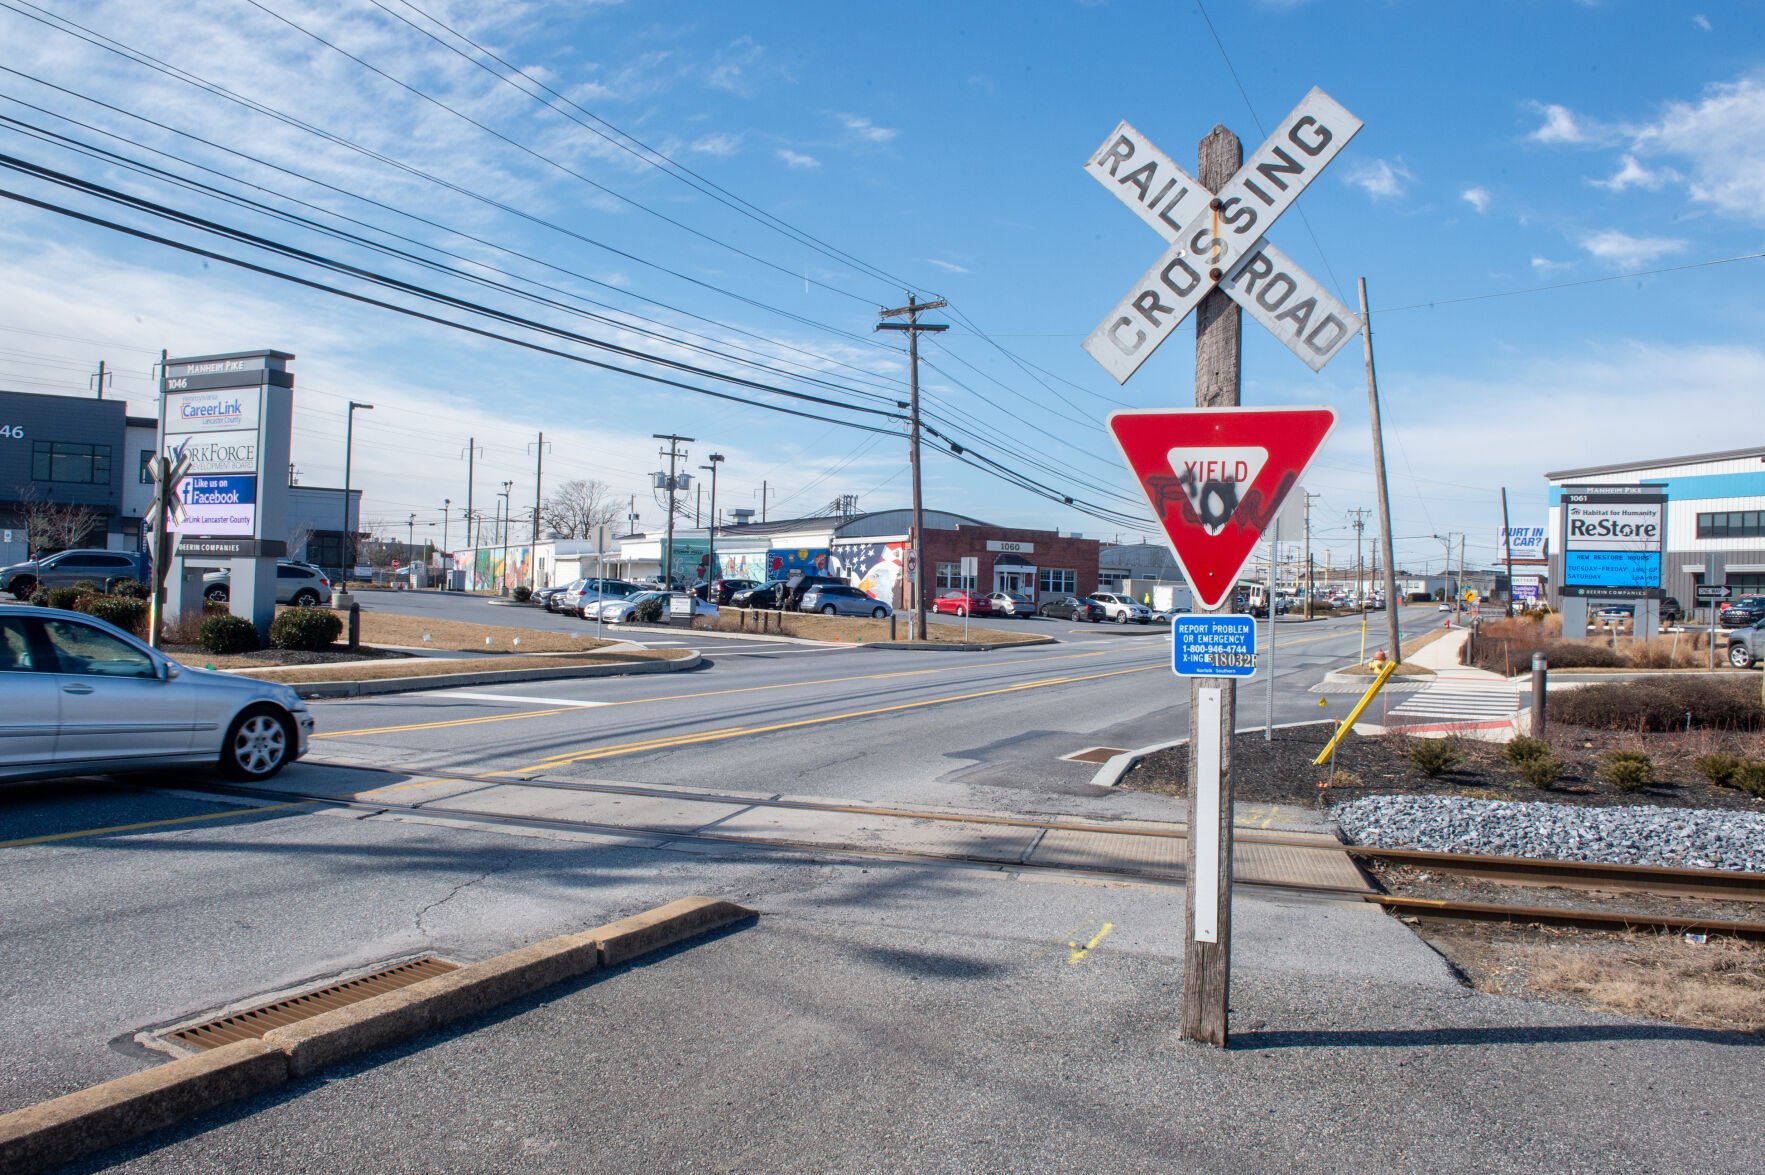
<point x="1612" y="541"/>
<point x="215" y="506"/>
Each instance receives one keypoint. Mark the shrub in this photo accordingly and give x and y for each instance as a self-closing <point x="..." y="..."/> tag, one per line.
<point x="1669" y="703"/>
<point x="648" y="612"/>
<point x="523" y="594"/>
<point x="126" y="614"/>
<point x="87" y="586"/>
<point x="1627" y="770"/>
<point x="225" y="634"/>
<point x="1433" y="757"/>
<point x="1542" y="771"/>
<point x="66" y="598"/>
<point x="40" y="597"/>
<point x="1750" y="778"/>
<point x="1718" y="768"/>
<point x="1524" y="748"/>
<point x="129" y="589"/>
<point x="310" y="629"/>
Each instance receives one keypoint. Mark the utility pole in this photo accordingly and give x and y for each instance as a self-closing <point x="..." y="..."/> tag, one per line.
<point x="631" y="518"/>
<point x="471" y="455"/>
<point x="410" y="540"/>
<point x="711" y="573"/>
<point x="446" y="505"/>
<point x="348" y="535"/>
<point x="1459" y="595"/>
<point x="674" y="454"/>
<point x="1359" y="521"/>
<point x="502" y="584"/>
<point x="913" y="327"/>
<point x="538" y="499"/>
<point x="1309" y="577"/>
<point x="1394" y="633"/>
<point x="100" y="378"/>
<point x="763" y="489"/>
<point x="1507" y="546"/>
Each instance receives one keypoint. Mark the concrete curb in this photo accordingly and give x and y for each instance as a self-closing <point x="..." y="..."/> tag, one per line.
<point x="403" y="685"/>
<point x="955" y="646"/>
<point x="1117" y="767"/>
<point x="1362" y="681"/>
<point x="63" y="1129"/>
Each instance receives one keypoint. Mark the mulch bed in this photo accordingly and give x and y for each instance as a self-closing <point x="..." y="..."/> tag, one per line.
<point x="191" y="655"/>
<point x="1281" y="770"/>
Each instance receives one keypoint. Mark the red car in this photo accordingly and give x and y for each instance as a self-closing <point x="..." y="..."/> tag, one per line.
<point x="961" y="603"/>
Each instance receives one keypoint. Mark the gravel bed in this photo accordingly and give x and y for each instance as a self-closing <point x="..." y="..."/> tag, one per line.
<point x="1620" y="835"/>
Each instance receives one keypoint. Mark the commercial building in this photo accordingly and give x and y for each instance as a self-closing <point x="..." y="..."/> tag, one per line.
<point x="1715" y="518"/>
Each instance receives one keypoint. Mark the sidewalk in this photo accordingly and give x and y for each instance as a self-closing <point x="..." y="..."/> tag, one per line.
<point x="1461" y="700"/>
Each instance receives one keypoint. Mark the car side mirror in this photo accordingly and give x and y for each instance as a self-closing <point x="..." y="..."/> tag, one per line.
<point x="169" y="670"/>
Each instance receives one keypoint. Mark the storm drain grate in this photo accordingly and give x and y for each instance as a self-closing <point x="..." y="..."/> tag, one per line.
<point x="252" y="1023"/>
<point x="1094" y="755"/>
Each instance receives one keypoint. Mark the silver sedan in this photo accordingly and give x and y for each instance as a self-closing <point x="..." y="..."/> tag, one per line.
<point x="79" y="696"/>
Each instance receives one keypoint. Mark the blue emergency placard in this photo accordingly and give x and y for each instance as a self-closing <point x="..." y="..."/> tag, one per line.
<point x="1204" y="645"/>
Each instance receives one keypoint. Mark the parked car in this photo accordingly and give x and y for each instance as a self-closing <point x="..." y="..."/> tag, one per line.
<point x="796" y="587"/>
<point x="1071" y="608"/>
<point x="582" y="595"/>
<point x="764" y="596"/>
<point x="1122" y="609"/>
<point x="79" y="696"/>
<point x="957" y="602"/>
<point x="1742" y="611"/>
<point x="1616" y="614"/>
<point x="841" y="600"/>
<point x="720" y="591"/>
<point x="300" y="584"/>
<point x="614" y="610"/>
<point x="1671" y="612"/>
<point x="1746" y="646"/>
<point x="1011" y="604"/>
<point x="548" y="597"/>
<point x="104" y="568"/>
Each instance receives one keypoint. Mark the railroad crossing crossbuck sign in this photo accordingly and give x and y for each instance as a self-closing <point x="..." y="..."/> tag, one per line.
<point x="1216" y="239"/>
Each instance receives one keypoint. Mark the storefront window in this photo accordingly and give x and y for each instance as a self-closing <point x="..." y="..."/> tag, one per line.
<point x="1057" y="581"/>
<point x="950" y="575"/>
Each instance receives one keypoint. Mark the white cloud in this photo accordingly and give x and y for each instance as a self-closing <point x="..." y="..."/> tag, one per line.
<point x="1720" y="141"/>
<point x="1477" y="198"/>
<point x="1702" y="21"/>
<point x="1546" y="265"/>
<point x="722" y="144"/>
<point x="1632" y="174"/>
<point x="1382" y="179"/>
<point x="731" y="68"/>
<point x="797" y="159"/>
<point x="865" y="129"/>
<point x="1559" y="126"/>
<point x="948" y="266"/>
<point x="1624" y="251"/>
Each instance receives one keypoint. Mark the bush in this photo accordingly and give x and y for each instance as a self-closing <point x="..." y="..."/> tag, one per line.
<point x="1434" y="757"/>
<point x="129" y="589"/>
<point x="523" y="594"/>
<point x="226" y="634"/>
<point x="1627" y="770"/>
<point x="310" y="629"/>
<point x="1719" y="768"/>
<point x="65" y="598"/>
<point x="1667" y="704"/>
<point x="87" y="586"/>
<point x="40" y="598"/>
<point x="1542" y="771"/>
<point x="648" y="612"/>
<point x="1524" y="748"/>
<point x="126" y="614"/>
<point x="1750" y="778"/>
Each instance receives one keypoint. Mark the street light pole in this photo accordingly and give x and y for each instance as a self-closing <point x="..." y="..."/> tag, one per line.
<point x="502" y="579"/>
<point x="346" y="534"/>
<point x="711" y="575"/>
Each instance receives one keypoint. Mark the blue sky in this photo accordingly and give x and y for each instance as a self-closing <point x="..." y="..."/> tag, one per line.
<point x="1526" y="173"/>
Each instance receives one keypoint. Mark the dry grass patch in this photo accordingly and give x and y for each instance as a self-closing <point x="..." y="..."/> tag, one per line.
<point x="856" y="628"/>
<point x="386" y="628"/>
<point x="434" y="667"/>
<point x="1717" y="985"/>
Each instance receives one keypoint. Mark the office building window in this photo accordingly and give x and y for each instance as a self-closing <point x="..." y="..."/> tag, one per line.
<point x="1057" y="581"/>
<point x="950" y="575"/>
<point x="1110" y="581"/>
<point x="146" y="467"/>
<point x="70" y="461"/>
<point x="1732" y="524"/>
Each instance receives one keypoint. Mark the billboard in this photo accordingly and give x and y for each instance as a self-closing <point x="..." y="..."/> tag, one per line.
<point x="1522" y="543"/>
<point x="215" y="452"/>
<point x="1612" y="541"/>
<point x="221" y="410"/>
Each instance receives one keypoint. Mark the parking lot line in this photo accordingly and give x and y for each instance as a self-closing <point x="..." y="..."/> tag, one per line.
<point x="145" y="824"/>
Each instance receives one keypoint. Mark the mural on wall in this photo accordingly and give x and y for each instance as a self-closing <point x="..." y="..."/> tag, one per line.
<point x="874" y="568"/>
<point x="784" y="562"/>
<point x="486" y="571"/>
<point x="692" y="559"/>
<point x="743" y="565"/>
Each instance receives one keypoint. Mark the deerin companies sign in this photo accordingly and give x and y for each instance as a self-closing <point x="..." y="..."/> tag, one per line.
<point x="1612" y="541"/>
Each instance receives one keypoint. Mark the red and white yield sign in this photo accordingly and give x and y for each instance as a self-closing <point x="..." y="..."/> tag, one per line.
<point x="1216" y="239"/>
<point x="1216" y="478"/>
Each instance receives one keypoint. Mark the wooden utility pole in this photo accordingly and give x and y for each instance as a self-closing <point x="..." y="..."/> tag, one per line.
<point x="538" y="506"/>
<point x="913" y="327"/>
<point x="1394" y="634"/>
<point x="1207" y="951"/>
<point x="1507" y="547"/>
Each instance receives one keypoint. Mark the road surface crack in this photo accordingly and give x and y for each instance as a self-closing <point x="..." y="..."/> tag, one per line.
<point x="451" y="895"/>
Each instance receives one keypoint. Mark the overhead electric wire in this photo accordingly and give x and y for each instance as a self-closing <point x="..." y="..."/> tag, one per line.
<point x="110" y="45"/>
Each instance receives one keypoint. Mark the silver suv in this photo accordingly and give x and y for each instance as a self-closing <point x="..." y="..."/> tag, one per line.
<point x="1122" y="609"/>
<point x="299" y="584"/>
<point x="840" y="600"/>
<point x="1746" y="646"/>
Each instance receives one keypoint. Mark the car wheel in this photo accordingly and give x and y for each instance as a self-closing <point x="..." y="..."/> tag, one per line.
<point x="217" y="593"/>
<point x="1121" y="617"/>
<point x="830" y="610"/>
<point x="1147" y="620"/>
<point x="306" y="598"/>
<point x="23" y="588"/>
<point x="1740" y="656"/>
<point x="259" y="743"/>
<point x="962" y="611"/>
<point x="879" y="613"/>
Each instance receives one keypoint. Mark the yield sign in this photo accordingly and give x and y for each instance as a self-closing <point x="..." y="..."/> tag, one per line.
<point x="1216" y="478"/>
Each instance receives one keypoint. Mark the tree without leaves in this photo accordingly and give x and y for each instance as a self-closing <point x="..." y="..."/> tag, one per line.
<point x="55" y="526"/>
<point x="577" y="508"/>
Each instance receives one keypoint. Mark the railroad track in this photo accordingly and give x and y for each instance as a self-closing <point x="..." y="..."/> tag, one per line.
<point x="1650" y="880"/>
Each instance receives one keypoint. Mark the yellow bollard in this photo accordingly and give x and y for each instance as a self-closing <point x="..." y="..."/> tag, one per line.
<point x="1348" y="723"/>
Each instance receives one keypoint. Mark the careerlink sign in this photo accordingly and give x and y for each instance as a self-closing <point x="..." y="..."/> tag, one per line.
<point x="226" y="410"/>
<point x="217" y="506"/>
<point x="1612" y="541"/>
<point x="1213" y="646"/>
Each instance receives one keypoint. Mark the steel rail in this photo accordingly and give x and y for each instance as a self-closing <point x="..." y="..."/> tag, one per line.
<point x="1559" y="916"/>
<point x="1667" y="881"/>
